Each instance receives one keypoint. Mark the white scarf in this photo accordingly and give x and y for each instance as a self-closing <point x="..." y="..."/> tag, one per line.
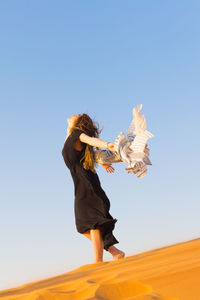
<point x="130" y="149"/>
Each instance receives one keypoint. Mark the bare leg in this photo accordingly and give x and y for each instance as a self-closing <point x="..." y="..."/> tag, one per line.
<point x="116" y="253"/>
<point x="97" y="244"/>
<point x="87" y="234"/>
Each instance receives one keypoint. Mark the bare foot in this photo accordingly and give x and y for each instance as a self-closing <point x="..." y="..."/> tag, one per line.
<point x="121" y="254"/>
<point x="116" y="253"/>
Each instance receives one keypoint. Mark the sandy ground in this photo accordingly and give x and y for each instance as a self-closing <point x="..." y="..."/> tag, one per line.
<point x="168" y="273"/>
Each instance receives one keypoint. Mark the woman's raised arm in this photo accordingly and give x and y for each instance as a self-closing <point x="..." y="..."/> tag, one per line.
<point x="96" y="142"/>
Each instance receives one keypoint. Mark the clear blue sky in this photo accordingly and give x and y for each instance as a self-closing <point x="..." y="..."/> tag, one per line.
<point x="102" y="58"/>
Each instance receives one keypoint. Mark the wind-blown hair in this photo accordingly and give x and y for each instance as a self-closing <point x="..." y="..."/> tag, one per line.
<point x="90" y="128"/>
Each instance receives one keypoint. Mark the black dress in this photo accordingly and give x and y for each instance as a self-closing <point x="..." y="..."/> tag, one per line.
<point x="91" y="206"/>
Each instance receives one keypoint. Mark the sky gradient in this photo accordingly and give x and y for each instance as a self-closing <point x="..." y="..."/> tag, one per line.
<point x="102" y="58"/>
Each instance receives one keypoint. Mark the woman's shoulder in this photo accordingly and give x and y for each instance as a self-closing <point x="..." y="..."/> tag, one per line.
<point x="75" y="132"/>
<point x="74" y="135"/>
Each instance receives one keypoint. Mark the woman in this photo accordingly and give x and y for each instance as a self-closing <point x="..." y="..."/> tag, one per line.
<point x="91" y="205"/>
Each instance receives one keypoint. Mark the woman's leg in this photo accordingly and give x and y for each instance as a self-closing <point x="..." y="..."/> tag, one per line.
<point x="116" y="253"/>
<point x="94" y="235"/>
<point x="87" y="234"/>
<point x="98" y="245"/>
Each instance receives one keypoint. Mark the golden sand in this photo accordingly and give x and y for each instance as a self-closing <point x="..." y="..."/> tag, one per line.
<point x="168" y="273"/>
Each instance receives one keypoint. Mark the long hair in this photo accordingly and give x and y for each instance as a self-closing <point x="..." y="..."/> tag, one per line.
<point x="90" y="128"/>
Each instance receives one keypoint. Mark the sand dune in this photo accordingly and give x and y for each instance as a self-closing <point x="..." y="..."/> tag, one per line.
<point x="168" y="273"/>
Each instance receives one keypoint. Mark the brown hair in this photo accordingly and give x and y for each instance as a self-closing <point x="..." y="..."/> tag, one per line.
<point x="90" y="128"/>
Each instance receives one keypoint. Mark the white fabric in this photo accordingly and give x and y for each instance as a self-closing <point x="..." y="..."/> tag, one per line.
<point x="130" y="149"/>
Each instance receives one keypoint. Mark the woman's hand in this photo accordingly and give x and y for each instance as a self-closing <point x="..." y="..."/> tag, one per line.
<point x="146" y="150"/>
<point x="108" y="167"/>
<point x="111" y="147"/>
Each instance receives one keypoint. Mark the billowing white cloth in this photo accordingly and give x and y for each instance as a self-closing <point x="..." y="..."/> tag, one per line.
<point x="130" y="149"/>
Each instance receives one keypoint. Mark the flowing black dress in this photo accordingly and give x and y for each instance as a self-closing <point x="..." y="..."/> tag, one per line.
<point x="91" y="205"/>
